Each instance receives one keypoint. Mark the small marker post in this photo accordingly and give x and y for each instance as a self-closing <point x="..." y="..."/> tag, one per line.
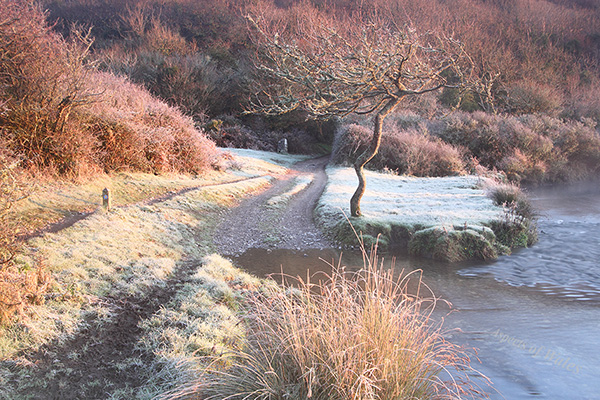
<point x="106" y="199"/>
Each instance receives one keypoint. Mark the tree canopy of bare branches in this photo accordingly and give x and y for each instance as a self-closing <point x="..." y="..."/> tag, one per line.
<point x="335" y="68"/>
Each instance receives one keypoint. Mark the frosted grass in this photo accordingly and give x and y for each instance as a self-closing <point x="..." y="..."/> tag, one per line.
<point x="403" y="200"/>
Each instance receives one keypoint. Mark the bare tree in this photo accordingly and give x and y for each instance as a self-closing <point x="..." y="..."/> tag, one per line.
<point x="357" y="66"/>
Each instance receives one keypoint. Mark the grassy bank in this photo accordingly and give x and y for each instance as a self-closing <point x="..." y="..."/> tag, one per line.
<point x="449" y="218"/>
<point x="130" y="299"/>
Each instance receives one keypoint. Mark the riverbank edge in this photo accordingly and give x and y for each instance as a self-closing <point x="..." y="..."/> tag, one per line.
<point x="478" y="236"/>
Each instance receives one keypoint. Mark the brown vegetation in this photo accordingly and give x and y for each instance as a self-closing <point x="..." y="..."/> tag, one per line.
<point x="542" y="57"/>
<point x="526" y="148"/>
<point x="410" y="152"/>
<point x="545" y="53"/>
<point x="63" y="117"/>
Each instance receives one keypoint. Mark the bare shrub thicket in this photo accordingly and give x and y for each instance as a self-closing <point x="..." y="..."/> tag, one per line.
<point x="156" y="55"/>
<point x="530" y="97"/>
<point x="529" y="147"/>
<point x="42" y="79"/>
<point x="304" y="137"/>
<point x="63" y="117"/>
<point x="547" y="45"/>
<point x="405" y="151"/>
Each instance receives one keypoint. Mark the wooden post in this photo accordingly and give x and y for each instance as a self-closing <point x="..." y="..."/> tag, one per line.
<point x="106" y="199"/>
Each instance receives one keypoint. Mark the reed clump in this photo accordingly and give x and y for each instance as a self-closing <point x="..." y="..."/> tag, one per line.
<point x="347" y="335"/>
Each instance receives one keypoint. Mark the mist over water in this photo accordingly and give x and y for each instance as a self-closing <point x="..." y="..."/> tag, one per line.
<point x="534" y="316"/>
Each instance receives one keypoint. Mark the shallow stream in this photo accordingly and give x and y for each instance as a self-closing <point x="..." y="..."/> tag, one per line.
<point x="534" y="316"/>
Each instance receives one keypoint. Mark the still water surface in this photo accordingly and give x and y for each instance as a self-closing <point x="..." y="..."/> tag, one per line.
<point x="534" y="317"/>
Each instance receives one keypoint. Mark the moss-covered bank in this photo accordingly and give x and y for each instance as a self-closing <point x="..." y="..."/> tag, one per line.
<point x="452" y="218"/>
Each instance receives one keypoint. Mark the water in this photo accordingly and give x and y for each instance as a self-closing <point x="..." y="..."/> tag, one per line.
<point x="534" y="317"/>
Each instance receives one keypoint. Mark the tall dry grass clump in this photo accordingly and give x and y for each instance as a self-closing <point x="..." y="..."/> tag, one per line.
<point x="517" y="226"/>
<point x="363" y="335"/>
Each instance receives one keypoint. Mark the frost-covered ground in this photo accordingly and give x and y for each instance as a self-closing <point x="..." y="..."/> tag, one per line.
<point x="254" y="162"/>
<point x="149" y="257"/>
<point x="402" y="200"/>
<point x="300" y="183"/>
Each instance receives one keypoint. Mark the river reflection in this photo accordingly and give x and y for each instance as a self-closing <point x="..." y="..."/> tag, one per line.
<point x="534" y="316"/>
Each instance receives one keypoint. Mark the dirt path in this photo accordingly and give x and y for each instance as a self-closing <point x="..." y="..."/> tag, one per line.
<point x="256" y="224"/>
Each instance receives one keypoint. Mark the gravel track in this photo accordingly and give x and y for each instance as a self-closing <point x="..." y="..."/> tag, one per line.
<point x="255" y="224"/>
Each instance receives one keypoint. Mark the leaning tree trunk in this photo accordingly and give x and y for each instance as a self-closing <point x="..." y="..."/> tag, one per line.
<point x="368" y="155"/>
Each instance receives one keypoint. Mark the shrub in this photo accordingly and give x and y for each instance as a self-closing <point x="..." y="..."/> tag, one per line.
<point x="528" y="97"/>
<point x="513" y="230"/>
<point x="529" y="148"/>
<point x="511" y="196"/>
<point x="65" y="118"/>
<point x="156" y="55"/>
<point x="42" y="79"/>
<point x="240" y="136"/>
<point x="356" y="335"/>
<point x="257" y="134"/>
<point x="137" y="131"/>
<point x="517" y="226"/>
<point x="586" y="104"/>
<point x="410" y="151"/>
